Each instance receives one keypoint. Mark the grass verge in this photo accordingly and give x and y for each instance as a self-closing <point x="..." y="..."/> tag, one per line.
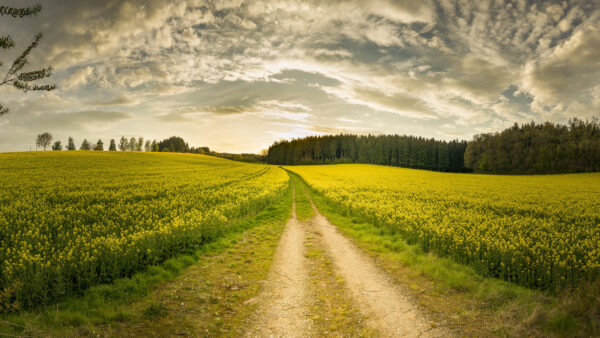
<point x="205" y="285"/>
<point x="304" y="210"/>
<point x="471" y="304"/>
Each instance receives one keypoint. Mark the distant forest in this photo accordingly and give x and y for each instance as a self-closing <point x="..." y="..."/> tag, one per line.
<point x="393" y="150"/>
<point x="544" y="148"/>
<point x="243" y="157"/>
<point x="532" y="148"/>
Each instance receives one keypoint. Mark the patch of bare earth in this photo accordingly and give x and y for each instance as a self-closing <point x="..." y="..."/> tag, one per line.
<point x="389" y="309"/>
<point x="282" y="305"/>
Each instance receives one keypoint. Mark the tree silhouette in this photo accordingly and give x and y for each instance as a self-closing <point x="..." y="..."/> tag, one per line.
<point x="99" y="145"/>
<point x="85" y="145"/>
<point x="174" y="144"/>
<point x="71" y="144"/>
<point x="43" y="140"/>
<point x="132" y="144"/>
<point x="57" y="145"/>
<point x="123" y="144"/>
<point x="15" y="76"/>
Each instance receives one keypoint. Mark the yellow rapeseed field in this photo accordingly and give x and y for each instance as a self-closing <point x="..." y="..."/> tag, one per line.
<point x="72" y="219"/>
<point x="537" y="231"/>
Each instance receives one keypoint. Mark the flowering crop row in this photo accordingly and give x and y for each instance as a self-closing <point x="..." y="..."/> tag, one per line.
<point x="537" y="231"/>
<point x="70" y="220"/>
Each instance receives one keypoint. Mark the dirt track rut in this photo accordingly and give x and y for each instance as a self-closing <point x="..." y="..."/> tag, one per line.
<point x="387" y="306"/>
<point x="283" y="309"/>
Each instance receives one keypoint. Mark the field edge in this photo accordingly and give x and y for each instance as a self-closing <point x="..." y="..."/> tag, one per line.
<point x="473" y="304"/>
<point x="103" y="304"/>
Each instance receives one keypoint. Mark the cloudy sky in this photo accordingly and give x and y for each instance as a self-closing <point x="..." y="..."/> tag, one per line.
<point x="236" y="75"/>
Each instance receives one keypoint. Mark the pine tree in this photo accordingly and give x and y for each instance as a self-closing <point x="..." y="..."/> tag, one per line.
<point x="71" y="144"/>
<point x="15" y="76"/>
<point x="85" y="145"/>
<point x="113" y="145"/>
<point x="99" y="146"/>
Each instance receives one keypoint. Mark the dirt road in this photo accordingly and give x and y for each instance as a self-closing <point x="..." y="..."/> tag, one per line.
<point x="286" y="301"/>
<point x="283" y="308"/>
<point x="387" y="306"/>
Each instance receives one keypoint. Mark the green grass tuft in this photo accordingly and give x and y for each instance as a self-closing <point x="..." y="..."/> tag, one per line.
<point x="155" y="311"/>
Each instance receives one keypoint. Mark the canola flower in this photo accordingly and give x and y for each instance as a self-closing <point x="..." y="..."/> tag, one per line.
<point x="538" y="231"/>
<point x="69" y="220"/>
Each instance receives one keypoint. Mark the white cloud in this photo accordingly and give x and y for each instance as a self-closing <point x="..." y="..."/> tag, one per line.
<point x="567" y="74"/>
<point x="78" y="77"/>
<point x="399" y="61"/>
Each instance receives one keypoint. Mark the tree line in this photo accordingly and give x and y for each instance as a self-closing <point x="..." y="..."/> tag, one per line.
<point x="521" y="149"/>
<point x="394" y="150"/>
<point x="532" y="148"/>
<point x="172" y="144"/>
<point x="243" y="157"/>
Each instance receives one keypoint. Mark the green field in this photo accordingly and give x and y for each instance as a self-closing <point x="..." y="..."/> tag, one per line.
<point x="537" y="231"/>
<point x="93" y="233"/>
<point x="69" y="220"/>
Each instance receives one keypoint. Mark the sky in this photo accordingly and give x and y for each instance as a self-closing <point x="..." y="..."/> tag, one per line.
<point x="237" y="75"/>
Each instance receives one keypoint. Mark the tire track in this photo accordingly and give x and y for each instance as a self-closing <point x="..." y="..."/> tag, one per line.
<point x="389" y="310"/>
<point x="283" y="309"/>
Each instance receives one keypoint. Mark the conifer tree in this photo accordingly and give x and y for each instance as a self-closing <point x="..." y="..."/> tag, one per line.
<point x="85" y="145"/>
<point x="99" y="145"/>
<point x="71" y="144"/>
<point x="113" y="145"/>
